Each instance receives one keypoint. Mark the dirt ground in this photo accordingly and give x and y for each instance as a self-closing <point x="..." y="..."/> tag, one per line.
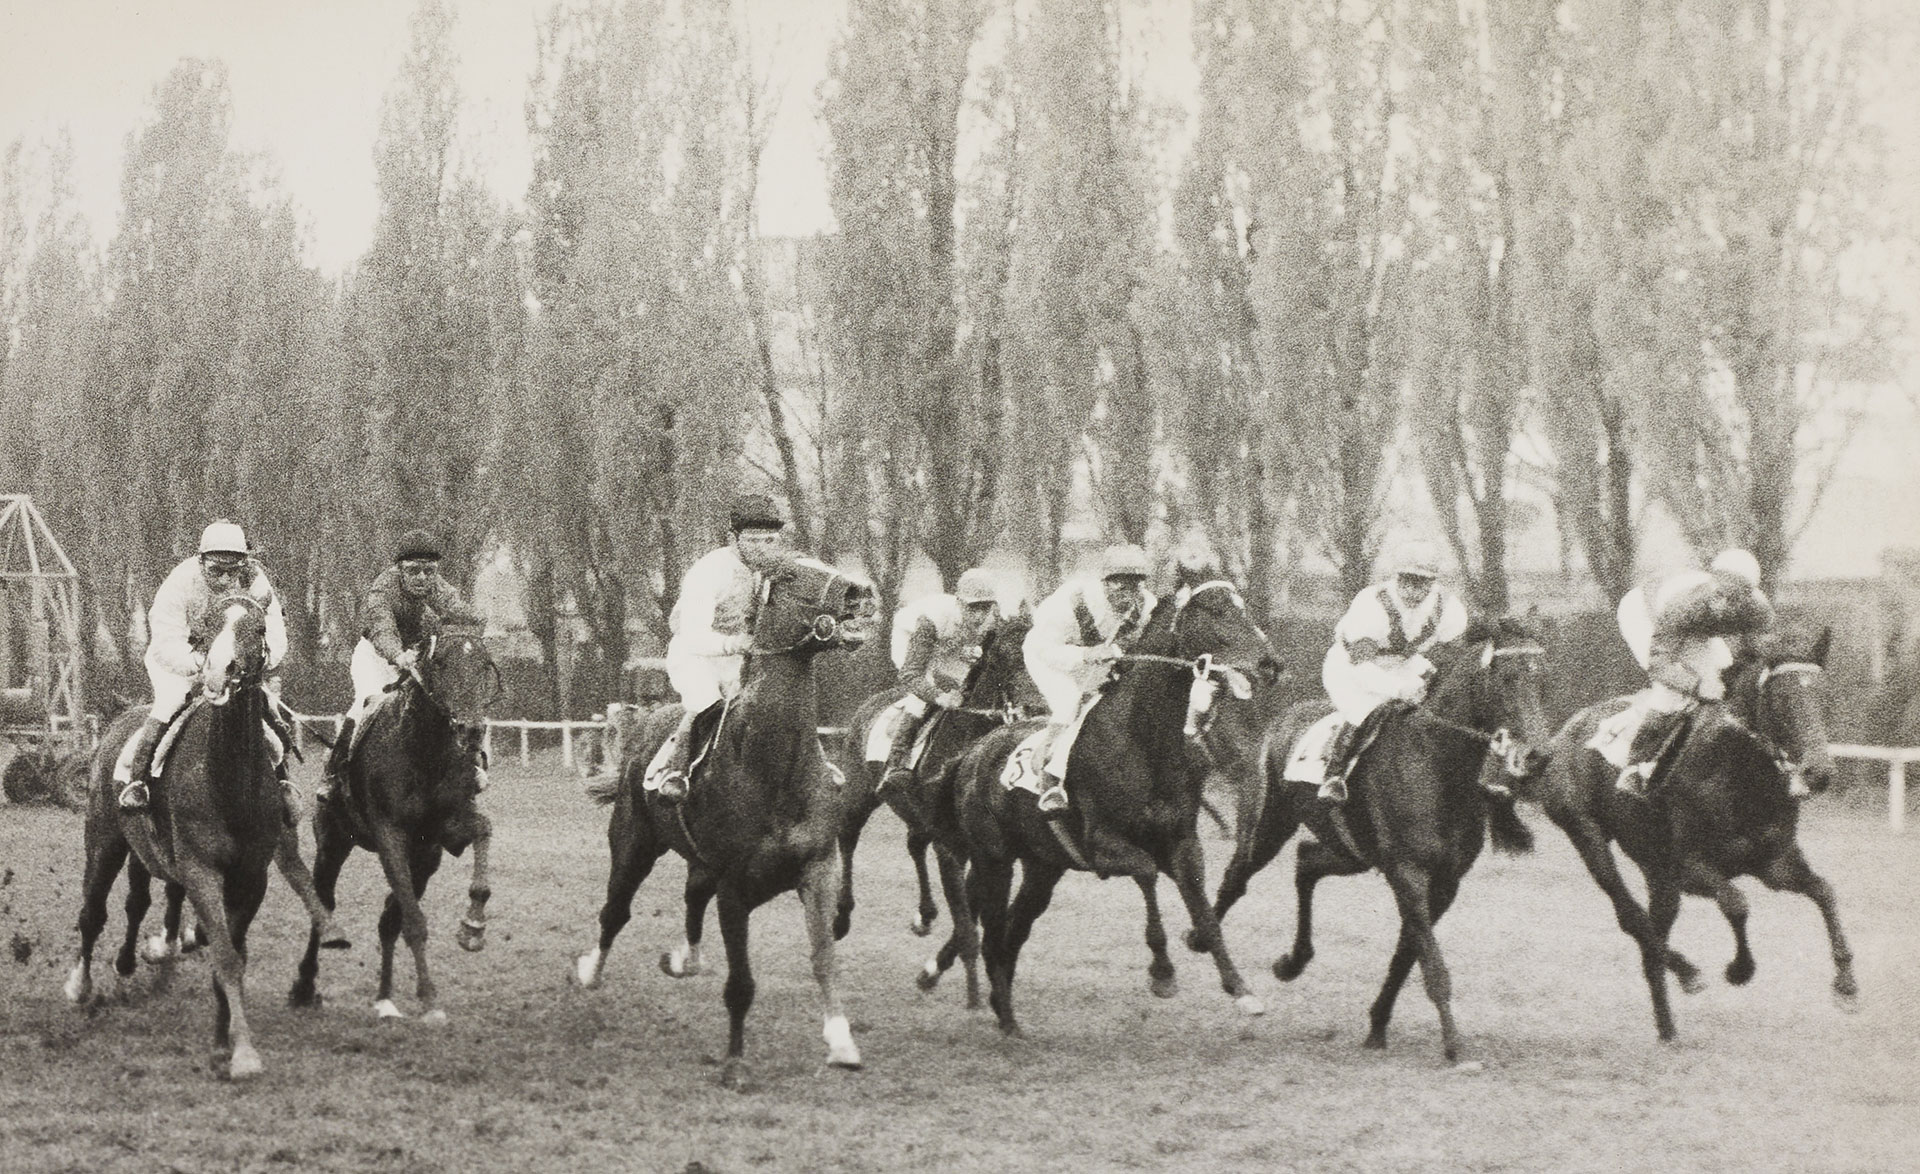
<point x="531" y="1073"/>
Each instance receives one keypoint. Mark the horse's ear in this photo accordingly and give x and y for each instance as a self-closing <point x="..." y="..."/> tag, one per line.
<point x="1822" y="646"/>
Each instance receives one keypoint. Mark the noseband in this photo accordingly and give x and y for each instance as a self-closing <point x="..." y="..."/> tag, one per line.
<point x="1237" y="678"/>
<point x="1794" y="771"/>
<point x="1501" y="742"/>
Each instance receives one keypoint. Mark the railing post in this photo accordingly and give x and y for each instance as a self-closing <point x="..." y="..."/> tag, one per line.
<point x="486" y="741"/>
<point x="1897" y="793"/>
<point x="566" y="744"/>
<point x="525" y="758"/>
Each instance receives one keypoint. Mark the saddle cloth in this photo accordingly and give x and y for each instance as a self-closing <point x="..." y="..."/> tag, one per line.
<point x="1307" y="762"/>
<point x="1026" y="767"/>
<point x="1614" y="737"/>
<point x="886" y="728"/>
<point x="700" y="736"/>
<point x="275" y="747"/>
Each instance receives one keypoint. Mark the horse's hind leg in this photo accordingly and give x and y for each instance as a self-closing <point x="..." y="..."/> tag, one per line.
<point x="1189" y="875"/>
<point x="299" y="878"/>
<point x="818" y="884"/>
<point x="1791" y="873"/>
<point x="331" y="847"/>
<point x="632" y="849"/>
<point x="1440" y="894"/>
<point x="472" y="931"/>
<point x="922" y="923"/>
<point x="106" y="855"/>
<point x="963" y="937"/>
<point x="209" y="893"/>
<point x="1705" y="882"/>
<point x="402" y="917"/>
<point x="738" y="992"/>
<point x="1037" y="881"/>
<point x="1314" y="863"/>
<point x="139" y="900"/>
<point x="1160" y="979"/>
<point x="1259" y="841"/>
<point x="1413" y="892"/>
<point x="988" y="886"/>
<point x="683" y="961"/>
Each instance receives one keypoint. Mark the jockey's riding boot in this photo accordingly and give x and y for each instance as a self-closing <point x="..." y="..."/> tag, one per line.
<point x="1053" y="800"/>
<point x="1333" y="783"/>
<point x="675" y="756"/>
<point x="1633" y="779"/>
<point x="336" y="762"/>
<point x="131" y="769"/>
<point x="479" y="771"/>
<point x="898" y="773"/>
<point x="289" y="795"/>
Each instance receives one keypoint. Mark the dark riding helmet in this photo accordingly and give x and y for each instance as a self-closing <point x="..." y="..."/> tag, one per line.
<point x="754" y="511"/>
<point x="417" y="544"/>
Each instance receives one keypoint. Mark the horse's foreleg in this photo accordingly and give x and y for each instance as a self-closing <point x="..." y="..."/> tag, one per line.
<point x="818" y="882"/>
<point x="331" y="848"/>
<point x="1406" y="952"/>
<point x="1259" y="841"/>
<point x="1413" y="892"/>
<point x="1707" y="882"/>
<point x="922" y="923"/>
<point x="1791" y="873"/>
<point x="1189" y="874"/>
<point x="139" y="900"/>
<point x="1160" y="979"/>
<point x="1037" y="881"/>
<point x="402" y="917"/>
<point x="1591" y="843"/>
<point x="299" y="878"/>
<point x="1313" y="864"/>
<point x="207" y="891"/>
<point x="632" y="850"/>
<point x="472" y="932"/>
<point x="738" y="993"/>
<point x="1663" y="908"/>
<point x="963" y="937"/>
<point x="683" y="961"/>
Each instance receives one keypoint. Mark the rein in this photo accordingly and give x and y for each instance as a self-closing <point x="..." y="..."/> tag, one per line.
<point x="1512" y="751"/>
<point x="1793" y="771"/>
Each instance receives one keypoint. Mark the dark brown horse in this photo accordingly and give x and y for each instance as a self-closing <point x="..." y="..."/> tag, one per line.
<point x="214" y="827"/>
<point x="998" y="691"/>
<point x="408" y="796"/>
<point x="764" y="810"/>
<point x="1725" y="806"/>
<point x="1135" y="790"/>
<point x="1417" y="810"/>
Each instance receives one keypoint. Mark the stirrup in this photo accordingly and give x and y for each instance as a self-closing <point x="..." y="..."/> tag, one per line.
<point x="134" y="797"/>
<point x="291" y="801"/>
<point x="673" y="786"/>
<point x="1053" y="800"/>
<point x="1334" y="790"/>
<point x="1632" y="781"/>
<point x="895" y="776"/>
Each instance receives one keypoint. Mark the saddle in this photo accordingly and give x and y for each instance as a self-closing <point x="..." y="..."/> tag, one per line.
<point x="278" y="725"/>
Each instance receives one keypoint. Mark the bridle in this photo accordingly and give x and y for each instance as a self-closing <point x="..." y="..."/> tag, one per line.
<point x="432" y="646"/>
<point x="235" y="675"/>
<point x="1209" y="674"/>
<point x="1511" y="751"/>
<point x="825" y="627"/>
<point x="1793" y="770"/>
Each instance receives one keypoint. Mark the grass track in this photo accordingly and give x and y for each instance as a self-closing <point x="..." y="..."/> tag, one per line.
<point x="531" y="1074"/>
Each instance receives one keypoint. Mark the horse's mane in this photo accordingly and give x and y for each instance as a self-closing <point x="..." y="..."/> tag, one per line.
<point x="1011" y="628"/>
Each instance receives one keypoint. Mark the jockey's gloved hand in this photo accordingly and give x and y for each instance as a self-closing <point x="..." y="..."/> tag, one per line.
<point x="948" y="700"/>
<point x="408" y="658"/>
<point x="1108" y="652"/>
<point x="738" y="645"/>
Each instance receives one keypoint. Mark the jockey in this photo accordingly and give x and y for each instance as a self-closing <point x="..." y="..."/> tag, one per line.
<point x="178" y="635"/>
<point x="1677" y="628"/>
<point x="393" y="618"/>
<point x="712" y="626"/>
<point x="1078" y="633"/>
<point x="936" y="640"/>
<point x="1379" y="648"/>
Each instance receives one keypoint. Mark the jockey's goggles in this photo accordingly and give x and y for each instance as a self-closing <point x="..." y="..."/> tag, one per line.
<point x="224" y="565"/>
<point x="418" y="566"/>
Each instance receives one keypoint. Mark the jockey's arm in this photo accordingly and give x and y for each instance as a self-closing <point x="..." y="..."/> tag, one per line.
<point x="694" y="613"/>
<point x="1054" y="640"/>
<point x="916" y="673"/>
<point x="381" y="630"/>
<point x="276" y="621"/>
<point x="170" y="644"/>
<point x="1453" y="621"/>
<point x="450" y="607"/>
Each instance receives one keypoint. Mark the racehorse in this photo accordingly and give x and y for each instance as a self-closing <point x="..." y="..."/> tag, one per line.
<point x="215" y="824"/>
<point x="1417" y="810"/>
<point x="408" y="796"/>
<point x="998" y="690"/>
<point x="1726" y="805"/>
<point x="1135" y="790"/>
<point x="764" y="810"/>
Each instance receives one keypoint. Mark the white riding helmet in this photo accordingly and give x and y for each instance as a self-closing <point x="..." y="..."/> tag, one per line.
<point x="1124" y="559"/>
<point x="1418" y="558"/>
<point x="975" y="586"/>
<point x="224" y="538"/>
<point x="1739" y="563"/>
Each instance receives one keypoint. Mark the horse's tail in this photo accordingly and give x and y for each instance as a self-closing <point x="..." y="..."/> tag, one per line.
<point x="1511" y="834"/>
<point x="605" y="790"/>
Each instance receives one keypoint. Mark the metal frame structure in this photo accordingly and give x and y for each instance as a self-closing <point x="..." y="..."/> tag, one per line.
<point x="40" y="586"/>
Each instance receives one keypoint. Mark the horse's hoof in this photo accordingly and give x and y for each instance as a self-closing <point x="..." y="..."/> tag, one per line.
<point x="734" y="1077"/>
<point x="245" y="1064"/>
<point x="841" y="1050"/>
<point x="472" y="935"/>
<point x="920" y="926"/>
<point x="305" y="995"/>
<point x="156" y="949"/>
<point x="1286" y="969"/>
<point x="436" y="1017"/>
<point x="1012" y="1030"/>
<point x="679" y="963"/>
<point x="1195" y="942"/>
<point x="1691" y="984"/>
<point x="386" y="1010"/>
<point x="1376" y="1041"/>
<point x="1739" y="973"/>
<point x="78" y="986"/>
<point x="929" y="976"/>
<point x="1469" y="1067"/>
<point x="1846" y="996"/>
<point x="1164" y="988"/>
<point x="1250" y="1005"/>
<point x="586" y="969"/>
